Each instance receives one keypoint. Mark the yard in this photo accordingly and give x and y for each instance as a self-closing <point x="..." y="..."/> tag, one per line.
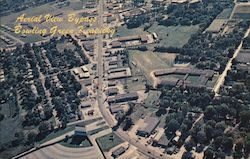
<point x="175" y="36"/>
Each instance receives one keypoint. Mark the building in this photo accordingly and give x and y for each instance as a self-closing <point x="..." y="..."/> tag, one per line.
<point x="243" y="57"/>
<point x="242" y="11"/>
<point x="149" y="125"/>
<point x="80" y="130"/>
<point x="116" y="44"/>
<point x="181" y="77"/>
<point x="112" y="91"/>
<point x="161" y="140"/>
<point x="123" y="97"/>
<point x="118" y="152"/>
<point x="1" y="75"/>
<point x="177" y="137"/>
<point x="119" y="73"/>
<point x="82" y="72"/>
<point x="83" y="92"/>
<point x="86" y="104"/>
<point x="115" y="108"/>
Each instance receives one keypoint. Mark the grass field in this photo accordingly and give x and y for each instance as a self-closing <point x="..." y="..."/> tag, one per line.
<point x="124" y="31"/>
<point x="108" y="141"/>
<point x="43" y="9"/>
<point x="148" y="61"/>
<point x="49" y="8"/>
<point x="175" y="36"/>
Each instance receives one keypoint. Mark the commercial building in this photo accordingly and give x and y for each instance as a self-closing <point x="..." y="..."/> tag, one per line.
<point x="115" y="108"/>
<point x="161" y="140"/>
<point x="119" y="73"/>
<point x="123" y="97"/>
<point x="149" y="125"/>
<point x="192" y="78"/>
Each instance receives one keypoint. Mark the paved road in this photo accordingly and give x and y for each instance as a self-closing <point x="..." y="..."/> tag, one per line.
<point x="142" y="148"/>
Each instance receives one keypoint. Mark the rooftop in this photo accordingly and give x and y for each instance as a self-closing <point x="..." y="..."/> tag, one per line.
<point x="149" y="125"/>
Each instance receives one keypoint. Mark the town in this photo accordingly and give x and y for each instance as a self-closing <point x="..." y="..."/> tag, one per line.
<point x="146" y="79"/>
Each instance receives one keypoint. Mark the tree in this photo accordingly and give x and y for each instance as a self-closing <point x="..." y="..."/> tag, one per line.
<point x="227" y="142"/>
<point x="201" y="137"/>
<point x="209" y="112"/>
<point x="128" y="123"/>
<point x="247" y="144"/>
<point x="188" y="146"/>
<point x="48" y="112"/>
<point x="209" y="131"/>
<point x="44" y="127"/>
<point x="209" y="153"/>
<point x="173" y="125"/>
<point x="245" y="118"/>
<point x="1" y="117"/>
<point x="137" y="2"/>
<point x="32" y="136"/>
<point x="47" y="83"/>
<point x="19" y="138"/>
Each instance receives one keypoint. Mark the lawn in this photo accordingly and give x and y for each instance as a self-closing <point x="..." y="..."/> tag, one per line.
<point x="147" y="61"/>
<point x="108" y="141"/>
<point x="175" y="36"/>
<point x="124" y="31"/>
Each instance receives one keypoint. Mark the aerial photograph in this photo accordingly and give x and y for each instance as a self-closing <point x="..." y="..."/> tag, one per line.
<point x="124" y="79"/>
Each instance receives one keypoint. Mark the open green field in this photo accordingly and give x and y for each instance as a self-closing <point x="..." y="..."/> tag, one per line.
<point x="108" y="141"/>
<point x="49" y="8"/>
<point x="148" y="61"/>
<point x="33" y="11"/>
<point x="124" y="31"/>
<point x="175" y="36"/>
